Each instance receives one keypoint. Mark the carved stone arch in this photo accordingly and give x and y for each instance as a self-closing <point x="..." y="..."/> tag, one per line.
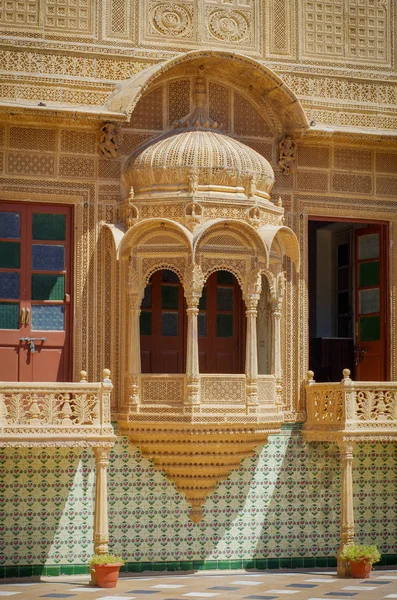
<point x="245" y="235"/>
<point x="281" y="237"/>
<point x="211" y="266"/>
<point x="152" y="265"/>
<point x="273" y="98"/>
<point x="140" y="231"/>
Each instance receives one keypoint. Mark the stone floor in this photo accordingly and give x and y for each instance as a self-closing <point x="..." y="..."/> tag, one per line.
<point x="308" y="584"/>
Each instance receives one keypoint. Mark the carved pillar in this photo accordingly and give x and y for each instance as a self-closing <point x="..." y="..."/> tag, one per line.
<point x="134" y="356"/>
<point x="192" y="356"/>
<point x="276" y="306"/>
<point x="347" y="514"/>
<point x="101" y="530"/>
<point x="251" y="356"/>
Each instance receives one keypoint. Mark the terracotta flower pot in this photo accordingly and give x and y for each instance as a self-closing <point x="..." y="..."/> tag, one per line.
<point x="107" y="575"/>
<point x="361" y="569"/>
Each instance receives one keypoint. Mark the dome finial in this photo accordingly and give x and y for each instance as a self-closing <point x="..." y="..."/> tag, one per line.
<point x="199" y="117"/>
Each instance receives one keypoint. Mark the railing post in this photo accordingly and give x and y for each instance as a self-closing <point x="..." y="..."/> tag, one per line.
<point x="347" y="512"/>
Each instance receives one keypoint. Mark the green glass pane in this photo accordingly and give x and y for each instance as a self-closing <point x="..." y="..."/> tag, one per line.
<point x="169" y="324"/>
<point x="369" y="301"/>
<point x="169" y="296"/>
<point x="48" y="287"/>
<point x="224" y="298"/>
<point x="48" y="226"/>
<point x="369" y="329"/>
<point x="202" y="325"/>
<point x="9" y="255"/>
<point x="224" y="326"/>
<point x="369" y="274"/>
<point x="145" y="322"/>
<point x="368" y="246"/>
<point x="203" y="300"/>
<point x="224" y="277"/>
<point x="9" y="315"/>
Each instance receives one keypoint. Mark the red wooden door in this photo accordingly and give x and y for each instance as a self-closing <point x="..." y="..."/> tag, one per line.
<point x="221" y="325"/>
<point x="162" y="321"/>
<point x="371" y="303"/>
<point x="35" y="292"/>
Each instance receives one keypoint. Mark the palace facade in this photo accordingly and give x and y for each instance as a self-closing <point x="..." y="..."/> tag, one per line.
<point x="198" y="271"/>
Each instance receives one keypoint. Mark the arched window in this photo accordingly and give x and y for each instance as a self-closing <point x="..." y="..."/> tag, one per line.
<point x="162" y="325"/>
<point x="221" y="325"/>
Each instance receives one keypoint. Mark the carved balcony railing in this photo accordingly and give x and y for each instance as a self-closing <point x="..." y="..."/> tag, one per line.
<point x="356" y="410"/>
<point x="56" y="414"/>
<point x="223" y="398"/>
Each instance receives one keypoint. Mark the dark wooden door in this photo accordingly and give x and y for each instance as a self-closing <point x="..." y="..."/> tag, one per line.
<point x="221" y="325"/>
<point x="162" y="324"/>
<point x="35" y="292"/>
<point x="371" y="304"/>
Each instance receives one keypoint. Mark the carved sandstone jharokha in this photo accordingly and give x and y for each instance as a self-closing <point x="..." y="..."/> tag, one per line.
<point x="201" y="195"/>
<point x="204" y="427"/>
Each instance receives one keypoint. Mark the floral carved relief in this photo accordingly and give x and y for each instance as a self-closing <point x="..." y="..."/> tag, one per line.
<point x="228" y="25"/>
<point x="171" y="19"/>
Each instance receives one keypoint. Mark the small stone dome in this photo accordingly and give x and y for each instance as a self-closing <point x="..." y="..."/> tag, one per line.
<point x="198" y="159"/>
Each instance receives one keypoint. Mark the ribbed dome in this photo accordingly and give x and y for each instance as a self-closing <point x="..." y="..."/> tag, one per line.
<point x="199" y="159"/>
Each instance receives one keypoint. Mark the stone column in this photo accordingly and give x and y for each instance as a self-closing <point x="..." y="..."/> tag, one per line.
<point x="276" y="307"/>
<point x="192" y="356"/>
<point x="251" y="355"/>
<point x="101" y="529"/>
<point x="347" y="514"/>
<point x="134" y="357"/>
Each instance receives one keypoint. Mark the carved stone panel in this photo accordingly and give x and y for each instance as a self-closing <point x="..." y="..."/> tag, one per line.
<point x="185" y="22"/>
<point x="352" y="29"/>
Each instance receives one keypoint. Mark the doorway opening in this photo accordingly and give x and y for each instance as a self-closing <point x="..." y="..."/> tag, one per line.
<point x="348" y="300"/>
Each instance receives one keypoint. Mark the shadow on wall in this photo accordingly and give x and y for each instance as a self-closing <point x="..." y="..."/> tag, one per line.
<point x="46" y="510"/>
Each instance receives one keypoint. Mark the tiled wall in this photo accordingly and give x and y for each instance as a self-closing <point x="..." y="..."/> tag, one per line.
<point x="282" y="504"/>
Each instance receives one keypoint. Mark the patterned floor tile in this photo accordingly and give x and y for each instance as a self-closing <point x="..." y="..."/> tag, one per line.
<point x="224" y="588"/>
<point x="246" y="582"/>
<point x="259" y="597"/>
<point x="377" y="582"/>
<point x="344" y="594"/>
<point x="200" y="594"/>
<point x="282" y="591"/>
<point x="302" y="585"/>
<point x="318" y="580"/>
<point x="168" y="586"/>
<point x="58" y="596"/>
<point x="360" y="588"/>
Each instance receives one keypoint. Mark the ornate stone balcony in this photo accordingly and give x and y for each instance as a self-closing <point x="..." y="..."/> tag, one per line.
<point x="351" y="410"/>
<point x="198" y="444"/>
<point x="56" y="414"/>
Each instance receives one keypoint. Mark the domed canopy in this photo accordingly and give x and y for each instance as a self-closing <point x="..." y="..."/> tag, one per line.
<point x="199" y="159"/>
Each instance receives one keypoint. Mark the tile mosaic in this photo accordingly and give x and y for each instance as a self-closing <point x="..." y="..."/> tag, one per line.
<point x="278" y="510"/>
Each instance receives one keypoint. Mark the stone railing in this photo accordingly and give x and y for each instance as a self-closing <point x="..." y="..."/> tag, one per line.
<point x="223" y="396"/>
<point x="355" y="409"/>
<point x="56" y="414"/>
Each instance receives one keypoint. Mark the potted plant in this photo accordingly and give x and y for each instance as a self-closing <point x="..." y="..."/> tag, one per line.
<point x="106" y="567"/>
<point x="361" y="558"/>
